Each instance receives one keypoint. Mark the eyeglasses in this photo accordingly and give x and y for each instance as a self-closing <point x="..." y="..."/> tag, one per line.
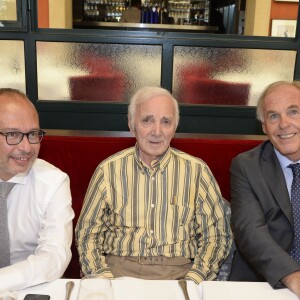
<point x="15" y="137"/>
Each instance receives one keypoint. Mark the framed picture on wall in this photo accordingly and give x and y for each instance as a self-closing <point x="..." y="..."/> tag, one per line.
<point x="283" y="28"/>
<point x="11" y="13"/>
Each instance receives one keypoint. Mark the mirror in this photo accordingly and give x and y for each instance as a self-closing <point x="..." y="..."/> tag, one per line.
<point x="243" y="17"/>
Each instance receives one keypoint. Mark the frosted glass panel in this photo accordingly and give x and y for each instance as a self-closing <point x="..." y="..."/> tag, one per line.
<point x="95" y="72"/>
<point x="12" y="71"/>
<point x="8" y="10"/>
<point x="223" y="76"/>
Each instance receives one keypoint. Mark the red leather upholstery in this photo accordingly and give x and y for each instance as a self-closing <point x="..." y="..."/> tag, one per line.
<point x="199" y="87"/>
<point x="102" y="83"/>
<point x="201" y="90"/>
<point x="79" y="156"/>
<point x="98" y="87"/>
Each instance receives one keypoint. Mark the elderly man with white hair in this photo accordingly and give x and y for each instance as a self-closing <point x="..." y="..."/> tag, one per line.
<point x="151" y="211"/>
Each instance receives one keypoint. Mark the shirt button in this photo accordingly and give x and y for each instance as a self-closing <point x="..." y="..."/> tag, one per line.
<point x="153" y="178"/>
<point x="151" y="231"/>
<point x="152" y="205"/>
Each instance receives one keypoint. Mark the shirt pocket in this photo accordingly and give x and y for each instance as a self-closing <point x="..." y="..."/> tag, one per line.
<point x="182" y="218"/>
<point x="128" y="216"/>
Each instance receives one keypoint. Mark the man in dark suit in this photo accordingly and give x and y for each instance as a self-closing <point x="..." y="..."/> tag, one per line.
<point x="261" y="180"/>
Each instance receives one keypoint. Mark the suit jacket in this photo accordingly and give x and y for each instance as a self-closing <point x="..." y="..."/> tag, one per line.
<point x="261" y="217"/>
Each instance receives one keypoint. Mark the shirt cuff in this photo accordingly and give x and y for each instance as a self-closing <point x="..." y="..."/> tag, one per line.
<point x="105" y="272"/>
<point x="279" y="285"/>
<point x="194" y="276"/>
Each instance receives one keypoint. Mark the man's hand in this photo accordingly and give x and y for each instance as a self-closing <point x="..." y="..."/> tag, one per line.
<point x="292" y="281"/>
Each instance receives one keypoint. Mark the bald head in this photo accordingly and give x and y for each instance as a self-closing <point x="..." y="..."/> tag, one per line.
<point x="12" y="100"/>
<point x="17" y="115"/>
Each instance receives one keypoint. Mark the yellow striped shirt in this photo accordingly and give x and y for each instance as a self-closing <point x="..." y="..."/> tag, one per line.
<point x="173" y="209"/>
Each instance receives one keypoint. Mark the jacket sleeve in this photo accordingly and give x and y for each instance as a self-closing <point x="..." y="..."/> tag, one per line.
<point x="258" y="223"/>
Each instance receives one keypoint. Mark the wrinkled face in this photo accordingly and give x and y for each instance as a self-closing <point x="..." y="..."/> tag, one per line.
<point x="281" y="111"/>
<point x="17" y="116"/>
<point x="155" y="126"/>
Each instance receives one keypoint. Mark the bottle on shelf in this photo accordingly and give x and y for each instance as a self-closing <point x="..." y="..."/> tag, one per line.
<point x="103" y="10"/>
<point x="145" y="13"/>
<point x="181" y="12"/>
<point x="154" y="15"/>
<point x="150" y="13"/>
<point x="207" y="12"/>
<point x="161" y="13"/>
<point x="200" y="12"/>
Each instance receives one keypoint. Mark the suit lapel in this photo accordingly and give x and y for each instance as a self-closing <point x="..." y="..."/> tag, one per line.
<point x="274" y="177"/>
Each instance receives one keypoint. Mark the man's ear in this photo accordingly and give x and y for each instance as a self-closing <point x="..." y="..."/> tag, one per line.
<point x="264" y="127"/>
<point x="129" y="124"/>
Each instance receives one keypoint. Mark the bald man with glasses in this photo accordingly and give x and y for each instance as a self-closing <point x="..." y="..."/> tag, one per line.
<point x="35" y="201"/>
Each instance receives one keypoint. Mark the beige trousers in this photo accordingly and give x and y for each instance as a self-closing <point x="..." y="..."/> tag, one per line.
<point x="152" y="268"/>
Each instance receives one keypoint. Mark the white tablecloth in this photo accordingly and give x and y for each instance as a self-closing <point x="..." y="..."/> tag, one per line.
<point x="228" y="290"/>
<point x="135" y="289"/>
<point x="123" y="289"/>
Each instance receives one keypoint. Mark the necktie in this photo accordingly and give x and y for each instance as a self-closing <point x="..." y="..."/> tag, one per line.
<point x="295" y="201"/>
<point x="5" y="188"/>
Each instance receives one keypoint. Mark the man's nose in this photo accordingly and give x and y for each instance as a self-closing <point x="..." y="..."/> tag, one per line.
<point x="24" y="144"/>
<point x="156" y="129"/>
<point x="283" y="121"/>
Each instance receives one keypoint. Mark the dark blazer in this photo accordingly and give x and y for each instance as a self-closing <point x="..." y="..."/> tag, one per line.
<point x="261" y="217"/>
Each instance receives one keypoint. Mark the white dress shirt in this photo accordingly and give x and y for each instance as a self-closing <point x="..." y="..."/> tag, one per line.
<point x="40" y="227"/>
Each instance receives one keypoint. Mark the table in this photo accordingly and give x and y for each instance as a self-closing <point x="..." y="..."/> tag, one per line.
<point x="136" y="289"/>
<point x="124" y="289"/>
<point x="229" y="290"/>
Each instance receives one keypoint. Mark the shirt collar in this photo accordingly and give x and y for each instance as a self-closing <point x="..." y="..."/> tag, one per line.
<point x="160" y="163"/>
<point x="20" y="178"/>
<point x="283" y="160"/>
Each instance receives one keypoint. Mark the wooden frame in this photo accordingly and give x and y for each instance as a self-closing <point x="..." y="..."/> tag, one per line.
<point x="283" y="28"/>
